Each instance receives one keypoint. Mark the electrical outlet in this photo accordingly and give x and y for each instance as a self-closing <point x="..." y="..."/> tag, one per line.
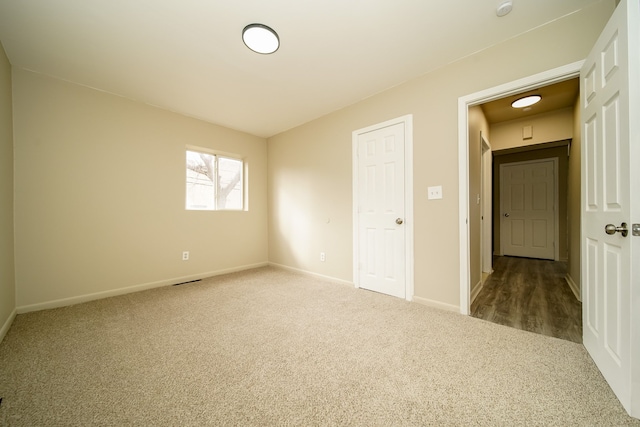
<point x="185" y="256"/>
<point x="323" y="258"/>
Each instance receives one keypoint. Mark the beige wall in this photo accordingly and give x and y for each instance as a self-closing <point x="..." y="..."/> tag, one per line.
<point x="554" y="126"/>
<point x="100" y="194"/>
<point x="477" y="123"/>
<point x="7" y="278"/>
<point x="574" y="206"/>
<point x="310" y="166"/>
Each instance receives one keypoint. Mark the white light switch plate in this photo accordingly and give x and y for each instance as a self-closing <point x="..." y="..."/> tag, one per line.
<point x="434" y="192"/>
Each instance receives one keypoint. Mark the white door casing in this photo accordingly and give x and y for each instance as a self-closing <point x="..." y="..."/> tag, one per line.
<point x="515" y="87"/>
<point x="383" y="249"/>
<point x="487" y="208"/>
<point x="610" y="286"/>
<point x="528" y="213"/>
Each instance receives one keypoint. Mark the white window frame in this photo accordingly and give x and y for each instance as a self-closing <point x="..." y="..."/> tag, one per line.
<point x="217" y="155"/>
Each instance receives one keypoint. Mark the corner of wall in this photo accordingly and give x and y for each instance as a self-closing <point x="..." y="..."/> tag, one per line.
<point x="7" y="324"/>
<point x="573" y="286"/>
<point x="7" y="258"/>
<point x="574" y="205"/>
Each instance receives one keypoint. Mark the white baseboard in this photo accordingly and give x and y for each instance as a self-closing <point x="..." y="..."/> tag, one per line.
<point x="312" y="274"/>
<point x="63" y="302"/>
<point x="574" y="287"/>
<point x="436" y="304"/>
<point x="476" y="290"/>
<point x="7" y="324"/>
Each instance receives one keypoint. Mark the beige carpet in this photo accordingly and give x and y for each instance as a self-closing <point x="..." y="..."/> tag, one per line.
<point x="270" y="347"/>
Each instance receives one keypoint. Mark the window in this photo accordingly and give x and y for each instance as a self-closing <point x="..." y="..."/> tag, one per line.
<point x="214" y="182"/>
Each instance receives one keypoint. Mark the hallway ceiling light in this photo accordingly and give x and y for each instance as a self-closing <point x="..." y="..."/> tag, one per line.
<point x="260" y="38"/>
<point x="526" y="101"/>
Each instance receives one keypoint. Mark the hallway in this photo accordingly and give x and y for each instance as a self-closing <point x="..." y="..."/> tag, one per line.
<point x="530" y="294"/>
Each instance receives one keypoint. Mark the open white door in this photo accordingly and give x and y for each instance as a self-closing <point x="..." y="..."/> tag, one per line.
<point x="609" y="97"/>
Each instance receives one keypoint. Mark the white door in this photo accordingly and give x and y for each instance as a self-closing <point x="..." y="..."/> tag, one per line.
<point x="610" y="153"/>
<point x="380" y="205"/>
<point x="527" y="199"/>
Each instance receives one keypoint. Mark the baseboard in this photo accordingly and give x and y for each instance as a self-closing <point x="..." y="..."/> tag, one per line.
<point x="436" y="304"/>
<point x="312" y="274"/>
<point x="476" y="290"/>
<point x="573" y="286"/>
<point x="63" y="302"/>
<point x="7" y="324"/>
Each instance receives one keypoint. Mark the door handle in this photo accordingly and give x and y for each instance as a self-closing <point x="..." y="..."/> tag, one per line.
<point x="612" y="229"/>
<point x="506" y="215"/>
<point x="399" y="221"/>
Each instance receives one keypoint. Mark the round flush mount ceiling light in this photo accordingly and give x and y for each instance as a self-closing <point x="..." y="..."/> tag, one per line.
<point x="260" y="38"/>
<point x="504" y="8"/>
<point x="526" y="101"/>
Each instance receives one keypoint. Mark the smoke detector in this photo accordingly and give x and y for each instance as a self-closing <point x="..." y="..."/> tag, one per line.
<point x="504" y="8"/>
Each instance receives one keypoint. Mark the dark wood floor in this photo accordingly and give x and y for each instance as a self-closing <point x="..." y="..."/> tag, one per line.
<point x="532" y="295"/>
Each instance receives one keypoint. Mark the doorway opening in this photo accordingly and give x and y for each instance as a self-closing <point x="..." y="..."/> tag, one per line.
<point x="526" y="287"/>
<point x="475" y="272"/>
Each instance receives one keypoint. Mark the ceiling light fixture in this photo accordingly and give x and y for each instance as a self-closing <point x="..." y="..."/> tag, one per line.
<point x="260" y="38"/>
<point x="526" y="101"/>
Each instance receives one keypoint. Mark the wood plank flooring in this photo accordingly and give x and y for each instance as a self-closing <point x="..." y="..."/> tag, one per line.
<point x="530" y="294"/>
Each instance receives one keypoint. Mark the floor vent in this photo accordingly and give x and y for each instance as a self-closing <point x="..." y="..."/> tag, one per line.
<point x="184" y="283"/>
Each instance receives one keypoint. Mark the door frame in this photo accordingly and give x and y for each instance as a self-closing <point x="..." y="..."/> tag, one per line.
<point x="535" y="81"/>
<point x="556" y="202"/>
<point x="486" y="197"/>
<point x="407" y="121"/>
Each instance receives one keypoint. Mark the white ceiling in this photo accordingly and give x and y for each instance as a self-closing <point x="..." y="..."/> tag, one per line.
<point x="187" y="56"/>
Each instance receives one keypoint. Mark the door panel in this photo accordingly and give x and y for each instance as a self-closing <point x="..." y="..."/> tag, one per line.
<point x="608" y="162"/>
<point x="613" y="304"/>
<point x="381" y="202"/>
<point x="591" y="300"/>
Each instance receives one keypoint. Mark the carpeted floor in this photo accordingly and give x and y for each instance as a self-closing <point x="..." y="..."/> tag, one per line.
<point x="271" y="347"/>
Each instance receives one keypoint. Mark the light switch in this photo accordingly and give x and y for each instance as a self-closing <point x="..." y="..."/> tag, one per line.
<point x="434" y="192"/>
<point x="527" y="132"/>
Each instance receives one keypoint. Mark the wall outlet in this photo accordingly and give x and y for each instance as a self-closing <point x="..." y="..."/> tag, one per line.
<point x="323" y="258"/>
<point x="185" y="256"/>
